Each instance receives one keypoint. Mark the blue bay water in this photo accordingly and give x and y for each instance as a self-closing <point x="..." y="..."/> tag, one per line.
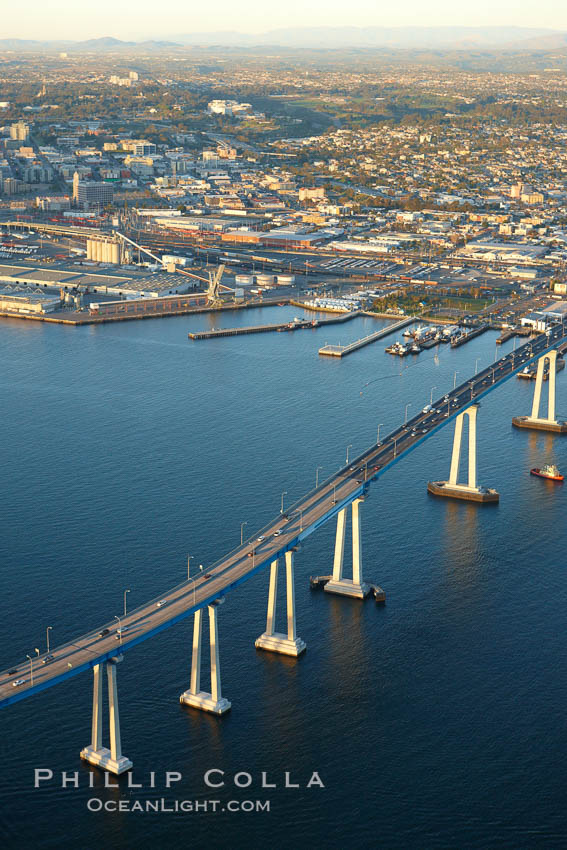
<point x="435" y="721"/>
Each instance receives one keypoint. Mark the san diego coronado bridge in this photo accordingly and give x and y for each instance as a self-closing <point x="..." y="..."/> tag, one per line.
<point x="104" y="647"/>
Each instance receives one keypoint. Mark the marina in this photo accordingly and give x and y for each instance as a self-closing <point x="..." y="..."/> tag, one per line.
<point x="424" y="338"/>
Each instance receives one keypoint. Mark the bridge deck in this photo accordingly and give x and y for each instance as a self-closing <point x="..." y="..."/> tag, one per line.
<point x="280" y="535"/>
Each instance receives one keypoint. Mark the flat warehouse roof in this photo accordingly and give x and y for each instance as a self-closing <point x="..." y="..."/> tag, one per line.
<point x="44" y="274"/>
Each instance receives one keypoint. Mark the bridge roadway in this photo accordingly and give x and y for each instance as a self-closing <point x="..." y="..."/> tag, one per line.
<point x="280" y="535"/>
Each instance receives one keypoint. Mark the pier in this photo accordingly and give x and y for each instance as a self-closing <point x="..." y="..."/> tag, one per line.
<point x="291" y="325"/>
<point x="506" y="335"/>
<point x="343" y="350"/>
<point x="460" y="340"/>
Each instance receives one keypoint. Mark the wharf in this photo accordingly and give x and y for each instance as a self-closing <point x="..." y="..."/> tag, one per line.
<point x="343" y="350"/>
<point x="291" y="325"/>
<point x="505" y="336"/>
<point x="455" y="343"/>
<point x="508" y="333"/>
<point x="75" y="317"/>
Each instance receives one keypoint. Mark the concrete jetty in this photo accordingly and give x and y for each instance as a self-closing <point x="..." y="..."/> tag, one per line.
<point x="290" y="325"/>
<point x="343" y="350"/>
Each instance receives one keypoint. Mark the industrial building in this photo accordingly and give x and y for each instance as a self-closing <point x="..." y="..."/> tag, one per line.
<point x="26" y="301"/>
<point x="128" y="283"/>
<point x="540" y="320"/>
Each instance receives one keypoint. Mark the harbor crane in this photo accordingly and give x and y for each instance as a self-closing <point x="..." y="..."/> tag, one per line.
<point x="214" y="285"/>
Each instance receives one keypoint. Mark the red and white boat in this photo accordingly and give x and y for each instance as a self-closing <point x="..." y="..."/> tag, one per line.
<point x="549" y="471"/>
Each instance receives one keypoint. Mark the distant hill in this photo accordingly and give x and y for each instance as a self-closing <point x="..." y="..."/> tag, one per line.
<point x="101" y="45"/>
<point x="390" y="38"/>
<point x="555" y="41"/>
<point x="448" y="38"/>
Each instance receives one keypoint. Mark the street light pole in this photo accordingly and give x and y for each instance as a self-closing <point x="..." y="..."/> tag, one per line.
<point x="455" y="381"/>
<point x="116" y="617"/>
<point x="406" y="413"/>
<point x="317" y="476"/>
<point x="125" y="592"/>
<point x="242" y="524"/>
<point x="31" y="668"/>
<point x="431" y="395"/>
<point x="380" y="425"/>
<point x="347" y="448"/>
<point x="476" y="365"/>
<point x="189" y="566"/>
<point x="283" y="494"/>
<point x="47" y="636"/>
<point x="395" y="446"/>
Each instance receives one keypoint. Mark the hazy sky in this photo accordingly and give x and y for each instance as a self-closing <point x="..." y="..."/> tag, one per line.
<point x="148" y="18"/>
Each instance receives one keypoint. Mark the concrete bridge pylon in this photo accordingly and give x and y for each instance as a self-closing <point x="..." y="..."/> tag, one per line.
<point x="109" y="759"/>
<point x="195" y="697"/>
<point x="290" y="643"/>
<point x="452" y="489"/>
<point x="338" y="583"/>
<point x="536" y="422"/>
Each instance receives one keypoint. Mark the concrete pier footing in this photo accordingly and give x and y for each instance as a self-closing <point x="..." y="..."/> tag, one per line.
<point x="347" y="587"/>
<point x="278" y="642"/>
<point x="539" y="424"/>
<point x="205" y="702"/>
<point x="448" y="491"/>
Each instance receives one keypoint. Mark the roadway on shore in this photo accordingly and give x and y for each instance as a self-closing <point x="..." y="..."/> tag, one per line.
<point x="282" y="534"/>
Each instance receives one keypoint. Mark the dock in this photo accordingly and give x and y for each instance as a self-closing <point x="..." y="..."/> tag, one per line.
<point x="460" y="340"/>
<point x="290" y="325"/>
<point x="343" y="350"/>
<point x="506" y="335"/>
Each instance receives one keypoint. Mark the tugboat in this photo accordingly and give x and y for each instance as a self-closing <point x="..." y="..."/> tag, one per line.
<point x="549" y="471"/>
